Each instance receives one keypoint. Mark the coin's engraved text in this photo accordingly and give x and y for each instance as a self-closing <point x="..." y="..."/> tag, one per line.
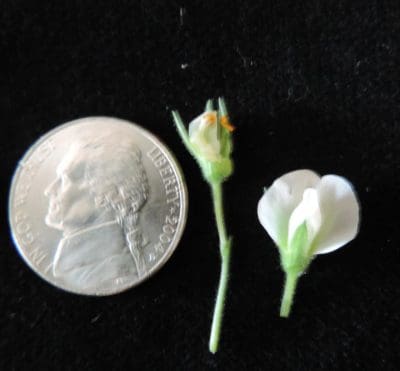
<point x="23" y="228"/>
<point x="167" y="176"/>
<point x="28" y="238"/>
<point x="166" y="236"/>
<point x="37" y="255"/>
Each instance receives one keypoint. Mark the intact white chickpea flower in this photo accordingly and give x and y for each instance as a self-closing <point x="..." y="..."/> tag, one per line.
<point x="307" y="215"/>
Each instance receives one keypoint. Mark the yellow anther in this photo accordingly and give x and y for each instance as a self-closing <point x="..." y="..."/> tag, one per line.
<point x="210" y="118"/>
<point x="226" y="124"/>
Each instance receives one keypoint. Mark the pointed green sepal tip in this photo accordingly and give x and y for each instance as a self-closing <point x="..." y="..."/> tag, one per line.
<point x="177" y="118"/>
<point x="180" y="125"/>
<point x="183" y="133"/>
<point x="222" y="106"/>
<point x="209" y="106"/>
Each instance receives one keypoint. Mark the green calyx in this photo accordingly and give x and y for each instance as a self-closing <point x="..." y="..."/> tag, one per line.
<point x="295" y="257"/>
<point x="216" y="171"/>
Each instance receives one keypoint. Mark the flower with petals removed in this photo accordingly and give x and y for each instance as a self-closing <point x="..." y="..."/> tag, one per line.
<point x="307" y="215"/>
<point x="209" y="140"/>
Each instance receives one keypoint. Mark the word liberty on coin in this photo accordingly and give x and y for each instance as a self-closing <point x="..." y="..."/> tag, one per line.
<point x="97" y="205"/>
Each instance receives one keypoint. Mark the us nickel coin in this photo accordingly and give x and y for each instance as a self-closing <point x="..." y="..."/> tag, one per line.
<point x="97" y="205"/>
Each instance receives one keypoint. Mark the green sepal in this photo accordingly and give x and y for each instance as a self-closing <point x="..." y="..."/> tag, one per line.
<point x="225" y="134"/>
<point x="183" y="133"/>
<point x="226" y="142"/>
<point x="295" y="257"/>
<point x="222" y="106"/>
<point x="209" y="106"/>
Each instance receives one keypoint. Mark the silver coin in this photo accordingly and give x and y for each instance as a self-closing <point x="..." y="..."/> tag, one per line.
<point x="97" y="205"/>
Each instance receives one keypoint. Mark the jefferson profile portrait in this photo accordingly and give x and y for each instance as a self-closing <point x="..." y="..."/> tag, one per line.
<point x="95" y="199"/>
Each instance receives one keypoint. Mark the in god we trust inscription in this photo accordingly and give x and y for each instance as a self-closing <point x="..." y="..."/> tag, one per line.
<point x="97" y="205"/>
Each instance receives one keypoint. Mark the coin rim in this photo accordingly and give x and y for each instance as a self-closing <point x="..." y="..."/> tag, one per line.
<point x="182" y="215"/>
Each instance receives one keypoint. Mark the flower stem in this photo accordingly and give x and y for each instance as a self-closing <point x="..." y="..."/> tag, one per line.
<point x="288" y="294"/>
<point x="225" y="251"/>
<point x="219" y="213"/>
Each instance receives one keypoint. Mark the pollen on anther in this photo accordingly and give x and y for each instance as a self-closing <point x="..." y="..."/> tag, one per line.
<point x="210" y="118"/>
<point x="226" y="124"/>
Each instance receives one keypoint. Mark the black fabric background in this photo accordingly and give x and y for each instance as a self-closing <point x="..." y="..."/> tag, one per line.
<point x="309" y="84"/>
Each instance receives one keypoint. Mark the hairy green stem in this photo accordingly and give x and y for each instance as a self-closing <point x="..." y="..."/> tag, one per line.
<point x="289" y="291"/>
<point x="225" y="251"/>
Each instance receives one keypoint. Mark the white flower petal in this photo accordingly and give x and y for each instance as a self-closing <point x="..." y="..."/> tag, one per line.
<point x="203" y="136"/>
<point x="194" y="125"/>
<point x="340" y="213"/>
<point x="308" y="211"/>
<point x="210" y="133"/>
<point x="279" y="201"/>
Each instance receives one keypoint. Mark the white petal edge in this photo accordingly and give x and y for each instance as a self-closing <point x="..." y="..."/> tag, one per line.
<point x="278" y="202"/>
<point x="340" y="212"/>
<point x="194" y="125"/>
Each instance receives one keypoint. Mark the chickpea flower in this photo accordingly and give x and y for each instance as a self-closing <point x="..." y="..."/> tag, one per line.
<point x="307" y="215"/>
